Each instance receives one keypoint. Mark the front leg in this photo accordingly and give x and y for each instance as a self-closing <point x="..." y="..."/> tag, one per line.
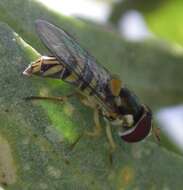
<point x="97" y="127"/>
<point x="110" y="138"/>
<point x="89" y="102"/>
<point x="112" y="144"/>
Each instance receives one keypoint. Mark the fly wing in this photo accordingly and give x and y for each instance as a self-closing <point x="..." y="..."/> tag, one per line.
<point x="74" y="58"/>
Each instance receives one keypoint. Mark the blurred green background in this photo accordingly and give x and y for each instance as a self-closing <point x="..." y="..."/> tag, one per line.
<point x="163" y="17"/>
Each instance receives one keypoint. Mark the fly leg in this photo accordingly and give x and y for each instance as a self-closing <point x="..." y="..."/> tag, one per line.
<point x="52" y="98"/>
<point x="112" y="144"/>
<point x="60" y="99"/>
<point x="97" y="127"/>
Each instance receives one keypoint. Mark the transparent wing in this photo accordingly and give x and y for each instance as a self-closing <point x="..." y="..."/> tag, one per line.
<point x="74" y="58"/>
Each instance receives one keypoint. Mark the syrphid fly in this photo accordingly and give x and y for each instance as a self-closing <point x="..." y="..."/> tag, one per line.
<point x="102" y="91"/>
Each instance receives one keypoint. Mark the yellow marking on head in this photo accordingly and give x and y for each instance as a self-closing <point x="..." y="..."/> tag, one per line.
<point x="115" y="86"/>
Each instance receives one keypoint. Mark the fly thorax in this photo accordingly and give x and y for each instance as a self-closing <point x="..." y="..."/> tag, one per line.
<point x="118" y="101"/>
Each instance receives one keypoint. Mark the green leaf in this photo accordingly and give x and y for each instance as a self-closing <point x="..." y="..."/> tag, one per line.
<point x="37" y="135"/>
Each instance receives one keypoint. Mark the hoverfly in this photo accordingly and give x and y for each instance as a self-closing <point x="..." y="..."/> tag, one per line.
<point x="100" y="90"/>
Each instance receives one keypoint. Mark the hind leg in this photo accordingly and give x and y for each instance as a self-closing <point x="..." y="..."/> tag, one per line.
<point x="112" y="144"/>
<point x="110" y="138"/>
<point x="52" y="98"/>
